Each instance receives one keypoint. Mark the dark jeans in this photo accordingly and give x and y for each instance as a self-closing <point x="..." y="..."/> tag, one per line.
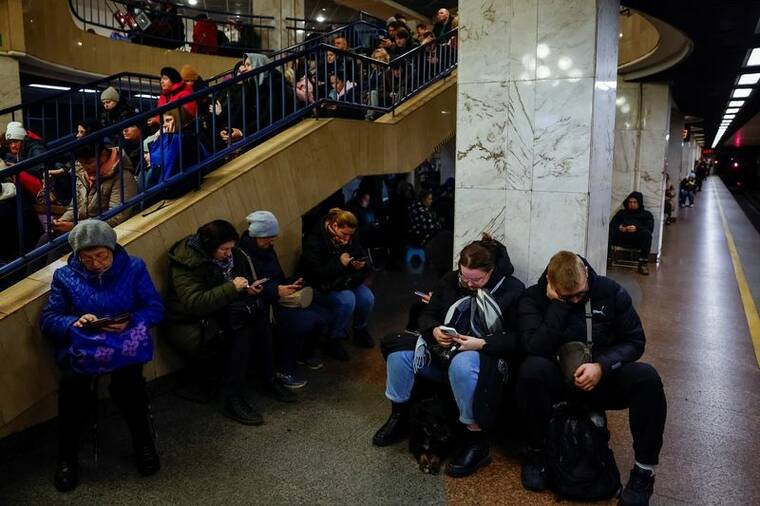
<point x="75" y="404"/>
<point x="640" y="240"/>
<point x="252" y="342"/>
<point x="635" y="386"/>
<point x="415" y="311"/>
<point x="298" y="333"/>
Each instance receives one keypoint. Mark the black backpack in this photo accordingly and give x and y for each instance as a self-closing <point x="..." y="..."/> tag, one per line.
<point x="579" y="462"/>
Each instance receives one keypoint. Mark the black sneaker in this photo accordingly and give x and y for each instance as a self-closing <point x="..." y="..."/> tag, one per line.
<point x="313" y="362"/>
<point x="363" y="339"/>
<point x="238" y="409"/>
<point x="533" y="473"/>
<point x="276" y="391"/>
<point x="639" y="488"/>
<point x="66" y="475"/>
<point x="334" y="349"/>
<point x="148" y="462"/>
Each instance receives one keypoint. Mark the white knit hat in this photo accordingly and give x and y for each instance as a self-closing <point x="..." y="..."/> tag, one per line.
<point x="15" y="131"/>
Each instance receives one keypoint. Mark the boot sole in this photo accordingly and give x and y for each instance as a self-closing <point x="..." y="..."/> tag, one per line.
<point x="461" y="474"/>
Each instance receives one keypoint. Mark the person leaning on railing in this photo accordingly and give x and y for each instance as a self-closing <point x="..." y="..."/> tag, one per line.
<point x="173" y="88"/>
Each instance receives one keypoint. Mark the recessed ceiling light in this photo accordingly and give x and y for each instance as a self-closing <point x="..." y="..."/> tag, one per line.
<point x="741" y="93"/>
<point x="748" y="79"/>
<point x="49" y="87"/>
<point x="754" y="57"/>
<point x="736" y="103"/>
<point x="732" y="110"/>
<point x="729" y="116"/>
<point x="320" y="19"/>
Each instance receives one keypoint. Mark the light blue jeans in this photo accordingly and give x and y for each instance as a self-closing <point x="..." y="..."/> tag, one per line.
<point x="463" y="378"/>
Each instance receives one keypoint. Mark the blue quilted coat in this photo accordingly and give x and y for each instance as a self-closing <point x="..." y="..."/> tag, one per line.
<point x="124" y="288"/>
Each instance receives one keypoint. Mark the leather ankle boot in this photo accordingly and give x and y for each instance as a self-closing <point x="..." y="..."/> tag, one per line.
<point x="396" y="428"/>
<point x="475" y="454"/>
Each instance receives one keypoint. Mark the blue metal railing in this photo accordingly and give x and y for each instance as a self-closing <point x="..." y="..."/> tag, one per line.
<point x="231" y="116"/>
<point x="174" y="29"/>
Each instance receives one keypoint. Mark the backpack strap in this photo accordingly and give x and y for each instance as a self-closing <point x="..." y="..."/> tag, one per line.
<point x="589" y="317"/>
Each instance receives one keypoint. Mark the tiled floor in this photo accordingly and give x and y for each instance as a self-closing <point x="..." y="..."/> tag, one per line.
<point x="319" y="451"/>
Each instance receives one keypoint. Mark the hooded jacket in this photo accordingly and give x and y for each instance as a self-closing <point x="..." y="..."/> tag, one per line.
<point x="488" y="394"/>
<point x="124" y="288"/>
<point x="267" y="266"/>
<point x="178" y="91"/>
<point x="617" y="333"/>
<point x="641" y="218"/>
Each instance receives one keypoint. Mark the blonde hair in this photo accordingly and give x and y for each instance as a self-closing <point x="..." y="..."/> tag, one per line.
<point x="381" y="54"/>
<point x="341" y="218"/>
<point x="566" y="271"/>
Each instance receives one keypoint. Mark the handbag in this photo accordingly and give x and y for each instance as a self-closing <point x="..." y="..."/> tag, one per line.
<point x="298" y="300"/>
<point x="95" y="351"/>
<point x="571" y="355"/>
<point x="245" y="309"/>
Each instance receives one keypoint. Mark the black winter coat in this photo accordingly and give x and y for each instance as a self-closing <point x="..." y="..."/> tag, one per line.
<point x="320" y="263"/>
<point x="488" y="393"/>
<point x="616" y="329"/>
<point x="641" y="218"/>
<point x="267" y="266"/>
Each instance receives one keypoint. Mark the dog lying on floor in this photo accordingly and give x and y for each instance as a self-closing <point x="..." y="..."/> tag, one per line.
<point x="430" y="436"/>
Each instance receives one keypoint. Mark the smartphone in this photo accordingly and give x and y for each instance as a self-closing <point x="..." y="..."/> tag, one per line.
<point x="106" y="320"/>
<point x="449" y="331"/>
<point x="420" y="294"/>
<point x="260" y="282"/>
<point x="360" y="259"/>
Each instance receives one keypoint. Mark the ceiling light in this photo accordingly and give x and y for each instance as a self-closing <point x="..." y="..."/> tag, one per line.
<point x="732" y="110"/>
<point x="87" y="90"/>
<point x="320" y="19"/>
<point x="49" y="87"/>
<point x="741" y="93"/>
<point x="145" y="95"/>
<point x="748" y="79"/>
<point x="729" y="116"/>
<point x="192" y="2"/>
<point x="754" y="57"/>
<point x="736" y="103"/>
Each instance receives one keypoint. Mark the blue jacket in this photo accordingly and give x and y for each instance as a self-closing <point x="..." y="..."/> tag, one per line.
<point x="124" y="288"/>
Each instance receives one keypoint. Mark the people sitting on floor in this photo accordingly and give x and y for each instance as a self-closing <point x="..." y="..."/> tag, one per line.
<point x="632" y="227"/>
<point x="553" y="313"/>
<point x="469" y="329"/>
<point x="212" y="285"/>
<point x="686" y="191"/>
<point x="174" y="88"/>
<point x="300" y="323"/>
<point x="334" y="262"/>
<point x="423" y="223"/>
<point x="115" y="109"/>
<point x="101" y="307"/>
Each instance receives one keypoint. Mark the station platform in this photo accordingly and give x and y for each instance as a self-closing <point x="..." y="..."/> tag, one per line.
<point x="319" y="451"/>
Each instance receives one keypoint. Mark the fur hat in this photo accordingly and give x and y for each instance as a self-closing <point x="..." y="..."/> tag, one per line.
<point x="189" y="73"/>
<point x="91" y="234"/>
<point x="263" y="224"/>
<point x="15" y="131"/>
<point x="110" y="93"/>
<point x="172" y="74"/>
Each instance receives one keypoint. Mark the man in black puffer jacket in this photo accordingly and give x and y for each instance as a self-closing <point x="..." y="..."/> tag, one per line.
<point x="552" y="313"/>
<point x="632" y="227"/>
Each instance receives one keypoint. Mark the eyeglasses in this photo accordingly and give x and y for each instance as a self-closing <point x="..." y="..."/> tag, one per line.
<point x="474" y="281"/>
<point x="100" y="258"/>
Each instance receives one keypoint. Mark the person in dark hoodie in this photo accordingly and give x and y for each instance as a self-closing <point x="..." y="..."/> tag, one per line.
<point x="552" y="313"/>
<point x="479" y="300"/>
<point x="632" y="227"/>
<point x="115" y="109"/>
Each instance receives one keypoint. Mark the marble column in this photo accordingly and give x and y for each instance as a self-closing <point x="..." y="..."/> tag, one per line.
<point x="642" y="132"/>
<point x="280" y="9"/>
<point x="10" y="87"/>
<point x="675" y="152"/>
<point x="535" y="121"/>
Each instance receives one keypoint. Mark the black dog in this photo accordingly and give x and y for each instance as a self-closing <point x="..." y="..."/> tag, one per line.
<point x="430" y="435"/>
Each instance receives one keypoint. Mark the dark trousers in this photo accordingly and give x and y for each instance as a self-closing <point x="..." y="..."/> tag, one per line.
<point x="415" y="311"/>
<point x="635" y="386"/>
<point x="76" y="400"/>
<point x="250" y="343"/>
<point x="298" y="333"/>
<point x="640" y="240"/>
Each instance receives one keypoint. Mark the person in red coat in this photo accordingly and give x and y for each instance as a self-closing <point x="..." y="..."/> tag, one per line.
<point x="174" y="88"/>
<point x="204" y="35"/>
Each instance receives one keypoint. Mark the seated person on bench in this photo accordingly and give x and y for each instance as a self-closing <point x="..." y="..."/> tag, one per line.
<point x="632" y="227"/>
<point x="552" y="313"/>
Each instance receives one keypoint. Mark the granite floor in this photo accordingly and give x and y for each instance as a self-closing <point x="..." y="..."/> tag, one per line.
<point x="319" y="451"/>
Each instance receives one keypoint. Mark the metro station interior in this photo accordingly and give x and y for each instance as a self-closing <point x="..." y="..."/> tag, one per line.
<point x="347" y="242"/>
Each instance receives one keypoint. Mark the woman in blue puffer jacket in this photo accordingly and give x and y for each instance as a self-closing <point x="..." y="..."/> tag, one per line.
<point x="99" y="312"/>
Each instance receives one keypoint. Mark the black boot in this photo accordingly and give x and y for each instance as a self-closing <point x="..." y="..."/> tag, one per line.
<point x="639" y="488"/>
<point x="533" y="473"/>
<point x="66" y="475"/>
<point x="396" y="428"/>
<point x="147" y="459"/>
<point x="475" y="454"/>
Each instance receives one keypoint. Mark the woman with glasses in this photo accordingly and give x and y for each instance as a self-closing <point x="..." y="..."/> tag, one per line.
<point x="467" y="332"/>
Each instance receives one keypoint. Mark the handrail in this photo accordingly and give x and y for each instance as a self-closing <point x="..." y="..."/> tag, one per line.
<point x="256" y="23"/>
<point x="376" y="86"/>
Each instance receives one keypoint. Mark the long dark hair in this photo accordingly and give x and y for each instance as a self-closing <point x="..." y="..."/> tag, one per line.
<point x="215" y="233"/>
<point x="481" y="254"/>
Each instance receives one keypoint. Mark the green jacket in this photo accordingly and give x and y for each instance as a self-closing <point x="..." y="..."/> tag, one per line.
<point x="197" y="290"/>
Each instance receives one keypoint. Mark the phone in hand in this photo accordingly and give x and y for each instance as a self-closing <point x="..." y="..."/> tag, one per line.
<point x="260" y="282"/>
<point x="106" y="320"/>
<point x="449" y="331"/>
<point x="420" y="294"/>
<point x="360" y="259"/>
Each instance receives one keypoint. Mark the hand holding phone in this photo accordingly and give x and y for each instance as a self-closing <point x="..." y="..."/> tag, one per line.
<point x="260" y="282"/>
<point x="106" y="321"/>
<point x="449" y="331"/>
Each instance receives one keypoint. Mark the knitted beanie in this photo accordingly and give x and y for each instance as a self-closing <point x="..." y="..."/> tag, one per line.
<point x="263" y="224"/>
<point x="91" y="234"/>
<point x="110" y="93"/>
<point x="15" y="131"/>
<point x="172" y="74"/>
<point x="188" y="73"/>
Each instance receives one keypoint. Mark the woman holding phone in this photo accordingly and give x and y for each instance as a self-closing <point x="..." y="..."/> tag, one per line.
<point x="211" y="278"/>
<point x="468" y="330"/>
<point x="98" y="315"/>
